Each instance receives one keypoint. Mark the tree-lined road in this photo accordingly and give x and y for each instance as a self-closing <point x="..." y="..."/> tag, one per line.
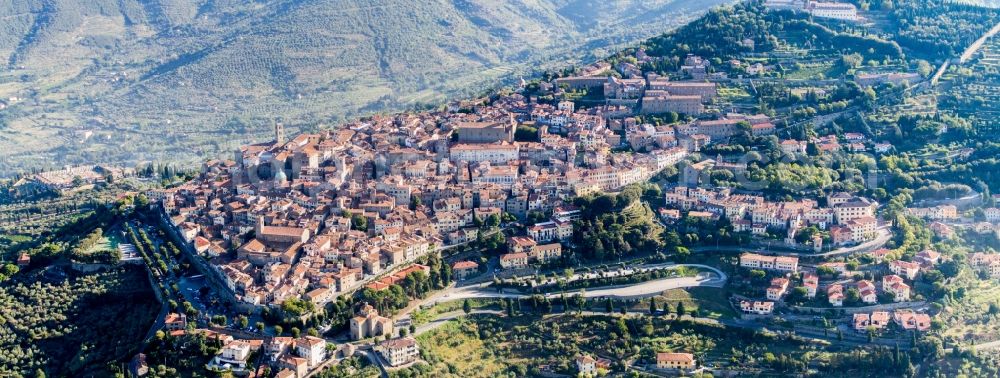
<point x="715" y="278"/>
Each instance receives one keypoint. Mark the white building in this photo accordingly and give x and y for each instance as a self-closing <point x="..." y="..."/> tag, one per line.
<point x="399" y="351"/>
<point x="496" y="153"/>
<point x="839" y="11"/>
<point x="312" y="348"/>
<point x="233" y="356"/>
<point x="778" y="263"/>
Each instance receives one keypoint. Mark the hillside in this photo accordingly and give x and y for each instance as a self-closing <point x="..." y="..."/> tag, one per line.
<point x="180" y="80"/>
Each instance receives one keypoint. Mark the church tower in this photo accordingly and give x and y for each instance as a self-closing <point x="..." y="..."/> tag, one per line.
<point x="279" y="133"/>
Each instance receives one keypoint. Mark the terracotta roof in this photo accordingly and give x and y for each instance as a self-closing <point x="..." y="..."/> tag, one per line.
<point x="512" y="256"/>
<point x="675" y="357"/>
<point x="464" y="265"/>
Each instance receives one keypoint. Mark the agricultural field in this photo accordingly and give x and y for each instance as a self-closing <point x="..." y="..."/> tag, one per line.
<point x="974" y="318"/>
<point x="352" y="367"/>
<point x="972" y="90"/>
<point x="813" y="71"/>
<point x="455" y="350"/>
<point x="68" y="324"/>
<point x="490" y="345"/>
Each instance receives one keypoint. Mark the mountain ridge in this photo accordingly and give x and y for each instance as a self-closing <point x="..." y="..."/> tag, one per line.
<point x="124" y="81"/>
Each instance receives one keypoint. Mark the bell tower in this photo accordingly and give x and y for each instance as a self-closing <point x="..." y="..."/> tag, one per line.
<point x="279" y="133"/>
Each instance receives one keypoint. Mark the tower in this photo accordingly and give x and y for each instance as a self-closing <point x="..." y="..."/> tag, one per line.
<point x="279" y="133"/>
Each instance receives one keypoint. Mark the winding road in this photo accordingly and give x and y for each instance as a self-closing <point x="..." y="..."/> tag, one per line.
<point x="714" y="278"/>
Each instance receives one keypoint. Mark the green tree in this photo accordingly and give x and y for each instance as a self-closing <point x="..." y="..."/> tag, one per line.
<point x="852" y="60"/>
<point x="466" y="306"/>
<point x="359" y="222"/>
<point x="244" y="322"/>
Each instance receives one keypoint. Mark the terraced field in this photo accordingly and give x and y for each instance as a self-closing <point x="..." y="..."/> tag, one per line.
<point x="975" y="98"/>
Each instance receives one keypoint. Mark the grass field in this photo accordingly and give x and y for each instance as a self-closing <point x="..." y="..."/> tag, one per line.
<point x="711" y="302"/>
<point x="489" y="345"/>
<point x="734" y="94"/>
<point x="109" y="242"/>
<point x="813" y="71"/>
<point x="422" y="316"/>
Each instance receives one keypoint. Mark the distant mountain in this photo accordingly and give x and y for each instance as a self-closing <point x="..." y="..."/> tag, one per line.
<point x="979" y="3"/>
<point x="131" y="80"/>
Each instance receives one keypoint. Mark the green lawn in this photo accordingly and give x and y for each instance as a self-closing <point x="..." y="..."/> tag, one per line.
<point x="713" y="302"/>
<point x="813" y="71"/>
<point x="733" y="94"/>
<point x="109" y="242"/>
<point x="422" y="316"/>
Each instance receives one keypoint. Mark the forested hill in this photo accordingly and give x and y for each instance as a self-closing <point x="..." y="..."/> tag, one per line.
<point x="130" y="80"/>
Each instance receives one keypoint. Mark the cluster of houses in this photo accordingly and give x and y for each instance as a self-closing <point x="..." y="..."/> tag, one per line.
<point x="879" y="320"/>
<point x="851" y="142"/>
<point x="652" y="93"/>
<point x="588" y="366"/>
<point x="942" y="212"/>
<point x="694" y="135"/>
<point x="987" y="262"/>
<point x="290" y="357"/>
<point x="522" y="250"/>
<point x="779" y="285"/>
<point x="294" y="357"/>
<point x="894" y="285"/>
<point x="945" y="218"/>
<point x="323" y="214"/>
<point x="849" y="219"/>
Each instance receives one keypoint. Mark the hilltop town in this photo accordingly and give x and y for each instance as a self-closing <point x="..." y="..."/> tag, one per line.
<point x="781" y="187"/>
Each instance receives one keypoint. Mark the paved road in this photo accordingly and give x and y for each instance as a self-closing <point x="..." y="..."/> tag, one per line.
<point x="988" y="345"/>
<point x="481" y="290"/>
<point x="967" y="54"/>
<point x="716" y="278"/>
<point x="979" y="347"/>
<point x="971" y="50"/>
<point x="971" y="200"/>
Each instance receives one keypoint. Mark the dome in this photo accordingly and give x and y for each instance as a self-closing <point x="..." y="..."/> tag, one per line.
<point x="280" y="176"/>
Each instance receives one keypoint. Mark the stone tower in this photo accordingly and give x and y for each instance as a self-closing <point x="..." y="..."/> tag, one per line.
<point x="279" y="133"/>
